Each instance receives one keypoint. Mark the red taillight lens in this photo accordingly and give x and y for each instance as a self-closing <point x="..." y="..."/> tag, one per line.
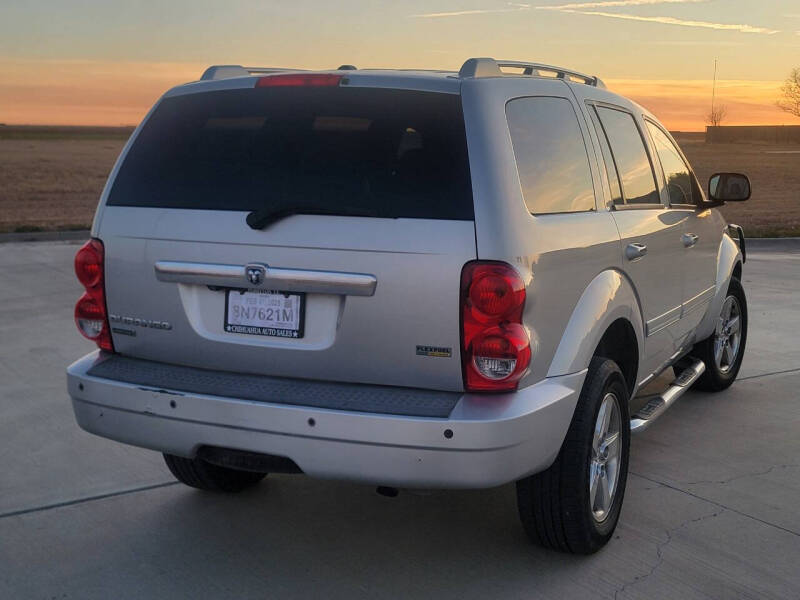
<point x="89" y="264"/>
<point x="299" y="79"/>
<point x="496" y="351"/>
<point x="495" y="293"/>
<point x="91" y="316"/>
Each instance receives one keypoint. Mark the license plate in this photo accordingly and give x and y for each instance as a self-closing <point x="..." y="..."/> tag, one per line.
<point x="272" y="313"/>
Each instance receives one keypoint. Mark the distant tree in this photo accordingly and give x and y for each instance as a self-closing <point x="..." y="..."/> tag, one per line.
<point x="790" y="94"/>
<point x="716" y="115"/>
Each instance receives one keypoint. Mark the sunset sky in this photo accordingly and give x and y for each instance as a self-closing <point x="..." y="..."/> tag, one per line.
<point x="106" y="62"/>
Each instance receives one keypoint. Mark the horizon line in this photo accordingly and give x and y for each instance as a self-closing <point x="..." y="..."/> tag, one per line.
<point x="134" y="126"/>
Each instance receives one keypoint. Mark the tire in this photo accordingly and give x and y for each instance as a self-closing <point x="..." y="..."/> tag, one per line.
<point x="720" y="374"/>
<point x="554" y="505"/>
<point x="197" y="473"/>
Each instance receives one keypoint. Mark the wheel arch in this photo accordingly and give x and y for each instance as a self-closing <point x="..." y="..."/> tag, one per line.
<point x="607" y="318"/>
<point x="729" y="264"/>
<point x="619" y="343"/>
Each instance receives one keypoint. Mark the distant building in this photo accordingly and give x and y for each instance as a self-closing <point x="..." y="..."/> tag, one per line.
<point x="764" y="134"/>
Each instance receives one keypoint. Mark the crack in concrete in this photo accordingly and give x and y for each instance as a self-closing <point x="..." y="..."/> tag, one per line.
<point x="715" y="503"/>
<point x="768" y="374"/>
<point x="737" y="477"/>
<point x="35" y="509"/>
<point x="660" y="546"/>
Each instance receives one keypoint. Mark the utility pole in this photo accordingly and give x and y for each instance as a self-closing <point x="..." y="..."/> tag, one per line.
<point x="714" y="86"/>
<point x="713" y="92"/>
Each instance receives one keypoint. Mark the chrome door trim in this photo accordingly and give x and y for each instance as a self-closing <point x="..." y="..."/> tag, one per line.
<point x="274" y="278"/>
<point x="699" y="301"/>
<point x="658" y="323"/>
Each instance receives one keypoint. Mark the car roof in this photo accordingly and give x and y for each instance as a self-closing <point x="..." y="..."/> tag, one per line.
<point x="220" y="77"/>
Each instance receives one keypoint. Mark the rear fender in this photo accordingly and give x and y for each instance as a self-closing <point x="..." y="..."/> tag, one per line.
<point x="728" y="256"/>
<point x="609" y="296"/>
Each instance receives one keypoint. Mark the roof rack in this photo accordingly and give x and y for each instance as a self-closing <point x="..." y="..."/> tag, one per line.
<point x="489" y="67"/>
<point x="472" y="68"/>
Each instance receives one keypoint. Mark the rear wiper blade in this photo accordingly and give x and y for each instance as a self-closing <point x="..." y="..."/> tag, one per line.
<point x="263" y="217"/>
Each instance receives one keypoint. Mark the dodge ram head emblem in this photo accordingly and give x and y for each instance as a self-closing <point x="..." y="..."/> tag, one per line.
<point x="255" y="274"/>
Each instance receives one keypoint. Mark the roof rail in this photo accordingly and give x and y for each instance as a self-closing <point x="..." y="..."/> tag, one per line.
<point x="489" y="67"/>
<point x="228" y="71"/>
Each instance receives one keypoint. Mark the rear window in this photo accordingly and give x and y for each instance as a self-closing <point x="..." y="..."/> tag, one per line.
<point x="551" y="156"/>
<point x="355" y="151"/>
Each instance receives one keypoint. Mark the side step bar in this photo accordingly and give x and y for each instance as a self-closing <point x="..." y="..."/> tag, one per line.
<point x="660" y="403"/>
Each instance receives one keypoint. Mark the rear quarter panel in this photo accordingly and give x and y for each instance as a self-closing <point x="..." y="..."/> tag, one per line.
<point x="558" y="255"/>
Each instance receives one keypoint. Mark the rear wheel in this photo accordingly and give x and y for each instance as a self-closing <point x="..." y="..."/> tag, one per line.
<point x="574" y="505"/>
<point x="197" y="473"/>
<point x="723" y="350"/>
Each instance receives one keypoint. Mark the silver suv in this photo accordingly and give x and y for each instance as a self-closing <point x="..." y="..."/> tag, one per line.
<point x="413" y="279"/>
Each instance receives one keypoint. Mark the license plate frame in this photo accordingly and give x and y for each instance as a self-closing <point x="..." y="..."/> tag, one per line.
<point x="263" y="330"/>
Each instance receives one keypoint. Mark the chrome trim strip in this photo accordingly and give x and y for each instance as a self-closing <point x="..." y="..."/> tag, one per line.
<point x="700" y="300"/>
<point x="288" y="280"/>
<point x="658" y="323"/>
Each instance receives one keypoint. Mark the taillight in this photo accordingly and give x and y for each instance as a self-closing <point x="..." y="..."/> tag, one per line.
<point x="91" y="316"/>
<point x="495" y="347"/>
<point x="299" y="79"/>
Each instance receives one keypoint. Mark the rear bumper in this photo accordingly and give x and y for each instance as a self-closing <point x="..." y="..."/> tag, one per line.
<point x="495" y="439"/>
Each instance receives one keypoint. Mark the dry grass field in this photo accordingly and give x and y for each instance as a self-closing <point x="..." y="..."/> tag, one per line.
<point x="51" y="177"/>
<point x="774" y="171"/>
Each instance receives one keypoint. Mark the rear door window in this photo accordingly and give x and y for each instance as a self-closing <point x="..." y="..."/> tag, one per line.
<point x="630" y="155"/>
<point x="336" y="150"/>
<point x="551" y="155"/>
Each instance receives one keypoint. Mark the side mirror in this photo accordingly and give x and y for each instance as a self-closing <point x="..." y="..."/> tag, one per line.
<point x="728" y="187"/>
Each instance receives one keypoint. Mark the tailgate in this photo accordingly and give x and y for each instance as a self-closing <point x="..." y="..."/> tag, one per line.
<point x="346" y="337"/>
<point x="369" y="295"/>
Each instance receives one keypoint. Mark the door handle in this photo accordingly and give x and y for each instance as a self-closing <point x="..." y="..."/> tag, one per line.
<point x="635" y="250"/>
<point x="689" y="239"/>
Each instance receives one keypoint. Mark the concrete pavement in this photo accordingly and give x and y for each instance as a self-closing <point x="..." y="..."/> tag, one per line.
<point x="712" y="508"/>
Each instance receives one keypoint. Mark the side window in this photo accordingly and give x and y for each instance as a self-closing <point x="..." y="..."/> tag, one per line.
<point x="635" y="171"/>
<point x="676" y="171"/>
<point x="551" y="155"/>
<point x="608" y="159"/>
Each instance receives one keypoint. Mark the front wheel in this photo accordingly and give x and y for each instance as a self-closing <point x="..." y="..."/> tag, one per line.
<point x="574" y="505"/>
<point x="723" y="350"/>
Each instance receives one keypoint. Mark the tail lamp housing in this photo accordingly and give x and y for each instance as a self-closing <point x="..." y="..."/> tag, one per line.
<point x="495" y="347"/>
<point x="91" y="315"/>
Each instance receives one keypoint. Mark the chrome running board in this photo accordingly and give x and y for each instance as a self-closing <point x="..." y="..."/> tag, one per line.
<point x="658" y="404"/>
